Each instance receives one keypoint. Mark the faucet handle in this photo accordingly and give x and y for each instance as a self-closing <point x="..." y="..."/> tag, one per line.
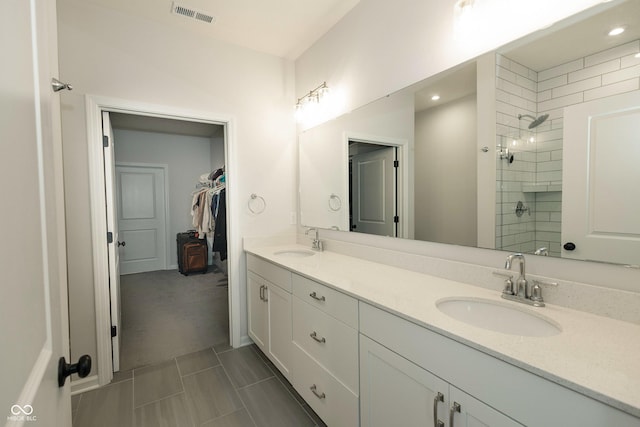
<point x="508" y="282"/>
<point x="544" y="282"/>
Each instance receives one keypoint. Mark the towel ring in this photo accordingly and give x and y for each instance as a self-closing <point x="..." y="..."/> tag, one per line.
<point x="252" y="200"/>
<point x="335" y="202"/>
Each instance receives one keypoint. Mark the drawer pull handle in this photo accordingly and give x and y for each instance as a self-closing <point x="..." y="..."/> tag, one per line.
<point x="314" y="335"/>
<point x="439" y="398"/>
<point x="454" y="408"/>
<point x="262" y="292"/>
<point x="316" y="297"/>
<point x="314" y="390"/>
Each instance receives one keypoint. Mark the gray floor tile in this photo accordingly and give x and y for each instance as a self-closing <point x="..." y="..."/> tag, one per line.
<point x="198" y="361"/>
<point x="211" y="394"/>
<point x="122" y="376"/>
<point x="270" y="404"/>
<point x="156" y="382"/>
<point x="170" y="412"/>
<point x="107" y="406"/>
<point x="237" y="419"/>
<point x="244" y="366"/>
<point x="222" y="346"/>
<point x="279" y="375"/>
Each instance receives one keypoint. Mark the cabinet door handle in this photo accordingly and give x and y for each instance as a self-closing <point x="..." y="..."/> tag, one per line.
<point x="266" y="298"/>
<point x="316" y="297"/>
<point x="439" y="398"/>
<point x="454" y="408"/>
<point x="314" y="335"/>
<point x="314" y="390"/>
<point x="261" y="292"/>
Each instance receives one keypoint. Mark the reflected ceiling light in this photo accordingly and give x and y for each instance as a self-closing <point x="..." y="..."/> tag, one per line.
<point x="435" y="97"/>
<point x="637" y="55"/>
<point x="616" y="31"/>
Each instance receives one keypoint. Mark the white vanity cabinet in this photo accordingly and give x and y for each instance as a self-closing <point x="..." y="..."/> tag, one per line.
<point x="399" y="359"/>
<point x="269" y="311"/>
<point x="325" y="351"/>
<point x="395" y="391"/>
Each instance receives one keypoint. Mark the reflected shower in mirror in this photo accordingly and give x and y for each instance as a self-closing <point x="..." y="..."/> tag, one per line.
<point x="547" y="123"/>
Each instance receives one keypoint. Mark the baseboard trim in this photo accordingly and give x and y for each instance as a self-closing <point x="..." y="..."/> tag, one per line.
<point x="245" y="341"/>
<point x="84" y="384"/>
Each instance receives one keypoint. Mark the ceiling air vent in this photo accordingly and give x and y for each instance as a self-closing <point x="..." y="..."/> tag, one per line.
<point x="189" y="12"/>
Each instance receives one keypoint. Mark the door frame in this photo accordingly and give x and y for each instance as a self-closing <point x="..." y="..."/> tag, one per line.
<point x="94" y="105"/>
<point x="402" y="181"/>
<point x="167" y="219"/>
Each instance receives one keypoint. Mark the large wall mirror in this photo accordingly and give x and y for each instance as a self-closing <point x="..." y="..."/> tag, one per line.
<point x="533" y="148"/>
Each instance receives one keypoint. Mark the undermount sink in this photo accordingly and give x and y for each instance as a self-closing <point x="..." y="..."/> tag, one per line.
<point x="499" y="317"/>
<point x="295" y="253"/>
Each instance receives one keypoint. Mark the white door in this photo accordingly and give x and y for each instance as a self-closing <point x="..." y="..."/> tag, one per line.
<point x="114" y="241"/>
<point x="600" y="212"/>
<point x="141" y="218"/>
<point x="373" y="192"/>
<point x="396" y="392"/>
<point x="33" y="299"/>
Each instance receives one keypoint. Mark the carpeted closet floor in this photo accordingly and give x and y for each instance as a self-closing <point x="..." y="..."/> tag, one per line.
<point x="166" y="314"/>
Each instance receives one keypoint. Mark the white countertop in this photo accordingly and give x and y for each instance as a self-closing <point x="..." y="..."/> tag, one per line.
<point x="593" y="355"/>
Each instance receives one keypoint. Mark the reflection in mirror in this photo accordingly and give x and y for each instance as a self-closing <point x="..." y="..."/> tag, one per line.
<point x="564" y="111"/>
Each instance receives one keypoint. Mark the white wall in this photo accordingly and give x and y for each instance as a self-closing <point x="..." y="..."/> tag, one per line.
<point x="445" y="173"/>
<point x="187" y="157"/>
<point x="381" y="47"/>
<point x="106" y="53"/>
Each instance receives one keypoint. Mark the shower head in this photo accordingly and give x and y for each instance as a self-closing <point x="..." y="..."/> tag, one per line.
<point x="537" y="121"/>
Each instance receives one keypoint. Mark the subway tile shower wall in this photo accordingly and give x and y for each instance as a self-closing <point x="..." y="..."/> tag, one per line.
<point x="535" y="177"/>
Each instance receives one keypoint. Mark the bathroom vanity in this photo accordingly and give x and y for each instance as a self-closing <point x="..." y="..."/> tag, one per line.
<point x="373" y="345"/>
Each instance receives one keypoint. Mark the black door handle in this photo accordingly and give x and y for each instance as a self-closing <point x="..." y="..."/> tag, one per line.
<point x="122" y="244"/>
<point x="569" y="246"/>
<point x="82" y="368"/>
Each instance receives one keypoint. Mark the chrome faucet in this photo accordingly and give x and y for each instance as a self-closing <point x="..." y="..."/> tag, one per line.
<point x="316" y="244"/>
<point x="520" y="286"/>
<point x="519" y="290"/>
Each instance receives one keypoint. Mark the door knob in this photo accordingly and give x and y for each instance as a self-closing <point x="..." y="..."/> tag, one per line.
<point x="57" y="85"/>
<point x="122" y="244"/>
<point x="82" y="368"/>
<point x="569" y="246"/>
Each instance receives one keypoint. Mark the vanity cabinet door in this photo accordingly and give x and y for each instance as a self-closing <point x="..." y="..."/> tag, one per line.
<point x="257" y="310"/>
<point x="280" y="335"/>
<point x="397" y="392"/>
<point x="474" y="413"/>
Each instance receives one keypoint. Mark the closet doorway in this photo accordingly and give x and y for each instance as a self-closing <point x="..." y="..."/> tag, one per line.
<point x="159" y="164"/>
<point x="102" y="178"/>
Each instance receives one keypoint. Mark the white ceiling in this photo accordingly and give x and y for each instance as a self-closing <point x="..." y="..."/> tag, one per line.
<point x="284" y="28"/>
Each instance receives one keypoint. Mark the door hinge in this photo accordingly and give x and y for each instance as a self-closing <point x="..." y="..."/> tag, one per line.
<point x="114" y="331"/>
<point x="105" y="141"/>
<point x="109" y="237"/>
<point x="396" y="163"/>
<point x="396" y="219"/>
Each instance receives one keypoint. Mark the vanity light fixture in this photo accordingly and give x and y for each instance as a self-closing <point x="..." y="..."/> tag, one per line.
<point x="616" y="31"/>
<point x="310" y="100"/>
<point x="435" y="97"/>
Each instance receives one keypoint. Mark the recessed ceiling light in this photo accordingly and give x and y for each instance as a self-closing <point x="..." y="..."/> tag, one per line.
<point x="435" y="97"/>
<point x="616" y="31"/>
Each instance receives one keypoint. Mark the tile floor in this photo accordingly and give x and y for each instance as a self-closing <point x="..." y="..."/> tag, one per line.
<point x="215" y="387"/>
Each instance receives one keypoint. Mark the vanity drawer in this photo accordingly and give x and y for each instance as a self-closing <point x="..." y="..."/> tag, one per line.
<point x="274" y="274"/>
<point x="332" y="302"/>
<point x="334" y="345"/>
<point x="332" y="401"/>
